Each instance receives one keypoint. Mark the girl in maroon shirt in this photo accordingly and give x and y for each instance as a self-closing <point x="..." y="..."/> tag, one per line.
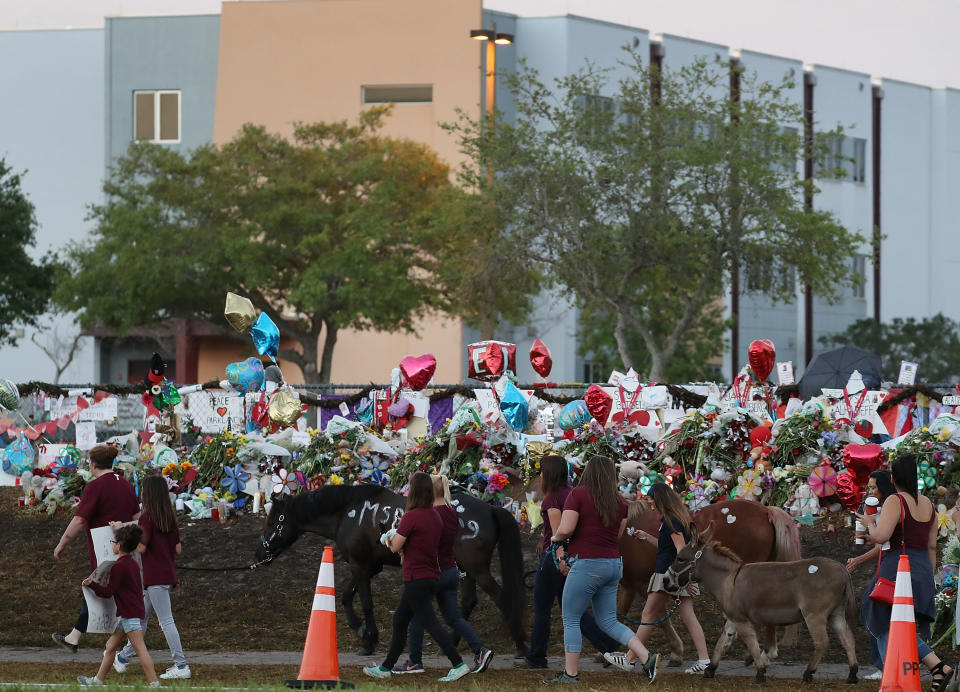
<point x="418" y="535"/>
<point x="158" y="547"/>
<point x="127" y="591"/>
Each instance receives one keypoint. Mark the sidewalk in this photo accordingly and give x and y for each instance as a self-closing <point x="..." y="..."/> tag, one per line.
<point x="53" y="654"/>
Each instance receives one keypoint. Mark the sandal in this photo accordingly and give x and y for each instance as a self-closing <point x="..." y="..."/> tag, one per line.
<point x="940" y="678"/>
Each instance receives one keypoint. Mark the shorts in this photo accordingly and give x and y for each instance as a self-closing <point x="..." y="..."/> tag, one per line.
<point x="657" y="584"/>
<point x="129" y="624"/>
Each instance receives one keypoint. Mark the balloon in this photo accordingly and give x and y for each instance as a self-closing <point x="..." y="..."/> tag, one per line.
<point x="862" y="460"/>
<point x="540" y="358"/>
<point x="849" y="491"/>
<point x="599" y="403"/>
<point x="761" y="355"/>
<point x="284" y="409"/>
<point x="488" y="360"/>
<point x="246" y="375"/>
<point x="418" y="370"/>
<point x="9" y="395"/>
<point x="400" y="408"/>
<point x="18" y="456"/>
<point x="863" y="428"/>
<point x="239" y="312"/>
<point x="514" y="407"/>
<point x="266" y="336"/>
<point x="574" y="415"/>
<point x="272" y="374"/>
<point x="759" y="436"/>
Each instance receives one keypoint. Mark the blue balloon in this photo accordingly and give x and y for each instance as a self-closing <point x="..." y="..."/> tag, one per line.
<point x="266" y="336"/>
<point x="574" y="415"/>
<point x="246" y="375"/>
<point x="17" y="457"/>
<point x="514" y="407"/>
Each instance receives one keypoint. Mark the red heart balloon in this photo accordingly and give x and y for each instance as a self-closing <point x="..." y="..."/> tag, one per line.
<point x="862" y="460"/>
<point x="540" y="358"/>
<point x="488" y="360"/>
<point x="417" y="370"/>
<point x="762" y="355"/>
<point x="599" y="403"/>
<point x="849" y="491"/>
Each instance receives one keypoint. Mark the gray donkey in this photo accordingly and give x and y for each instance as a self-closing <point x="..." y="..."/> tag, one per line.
<point x="814" y="591"/>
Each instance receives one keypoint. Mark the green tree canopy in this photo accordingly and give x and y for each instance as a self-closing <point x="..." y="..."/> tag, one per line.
<point x="642" y="207"/>
<point x="25" y="282"/>
<point x="327" y="230"/>
<point x="932" y="342"/>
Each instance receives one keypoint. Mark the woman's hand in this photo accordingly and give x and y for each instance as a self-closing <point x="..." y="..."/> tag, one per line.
<point x="87" y="582"/>
<point x="116" y="525"/>
<point x="642" y="535"/>
<point x="866" y="519"/>
<point x="564" y="568"/>
<point x="852" y="564"/>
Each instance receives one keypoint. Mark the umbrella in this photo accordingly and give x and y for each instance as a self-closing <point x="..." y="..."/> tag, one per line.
<point x="833" y="369"/>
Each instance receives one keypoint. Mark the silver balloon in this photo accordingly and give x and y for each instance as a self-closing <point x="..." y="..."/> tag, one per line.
<point x="9" y="395"/>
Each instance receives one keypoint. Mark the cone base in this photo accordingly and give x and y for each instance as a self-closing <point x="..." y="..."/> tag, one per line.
<point x="310" y="684"/>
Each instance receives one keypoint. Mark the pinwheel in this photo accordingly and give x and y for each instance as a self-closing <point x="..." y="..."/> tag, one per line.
<point x="234" y="478"/>
<point x="284" y="482"/>
<point x="823" y="480"/>
<point x="646" y="481"/>
<point x="748" y="485"/>
<point x="926" y="476"/>
<point x="944" y="523"/>
<point x="69" y="457"/>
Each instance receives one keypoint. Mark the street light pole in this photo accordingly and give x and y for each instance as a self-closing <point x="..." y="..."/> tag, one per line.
<point x="492" y="39"/>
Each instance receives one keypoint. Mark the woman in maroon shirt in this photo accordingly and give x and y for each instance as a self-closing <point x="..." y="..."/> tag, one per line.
<point x="418" y="535"/>
<point x="158" y="546"/>
<point x="593" y="518"/>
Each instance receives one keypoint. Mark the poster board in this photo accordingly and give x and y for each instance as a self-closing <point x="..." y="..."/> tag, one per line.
<point x="104" y="410"/>
<point x="214" y="410"/>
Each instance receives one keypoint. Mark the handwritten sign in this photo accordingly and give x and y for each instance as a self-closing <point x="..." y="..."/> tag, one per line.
<point x="102" y="547"/>
<point x="104" y="410"/>
<point x="214" y="411"/>
<point x="950" y="400"/>
<point x="908" y="373"/>
<point x="102" y="615"/>
<point x="785" y="373"/>
<point x="86" y="435"/>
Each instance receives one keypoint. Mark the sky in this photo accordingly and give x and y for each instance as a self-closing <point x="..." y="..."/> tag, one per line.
<point x="911" y="41"/>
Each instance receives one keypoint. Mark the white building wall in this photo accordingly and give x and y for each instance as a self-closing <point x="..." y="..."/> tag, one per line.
<point x="945" y="202"/>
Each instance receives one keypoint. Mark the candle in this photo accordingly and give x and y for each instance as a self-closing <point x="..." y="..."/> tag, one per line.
<point x="256" y="503"/>
<point x="215" y="514"/>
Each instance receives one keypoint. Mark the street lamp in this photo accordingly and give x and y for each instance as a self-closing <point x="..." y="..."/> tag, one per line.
<point x="492" y="39"/>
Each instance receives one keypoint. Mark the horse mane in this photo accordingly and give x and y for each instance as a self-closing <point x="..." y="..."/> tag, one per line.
<point x="635" y="511"/>
<point x="721" y="549"/>
<point x="331" y="499"/>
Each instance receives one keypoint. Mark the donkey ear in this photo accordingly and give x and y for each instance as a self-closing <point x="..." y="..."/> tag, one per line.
<point x="707" y="535"/>
<point x="694" y="533"/>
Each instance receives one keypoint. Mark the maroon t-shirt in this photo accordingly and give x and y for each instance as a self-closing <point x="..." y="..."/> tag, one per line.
<point x="422" y="528"/>
<point x="107" y="498"/>
<point x="125" y="587"/>
<point x="448" y="536"/>
<point x="552" y="501"/>
<point x="591" y="539"/>
<point x="158" y="567"/>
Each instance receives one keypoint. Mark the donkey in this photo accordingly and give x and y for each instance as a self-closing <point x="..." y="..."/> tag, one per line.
<point x="816" y="591"/>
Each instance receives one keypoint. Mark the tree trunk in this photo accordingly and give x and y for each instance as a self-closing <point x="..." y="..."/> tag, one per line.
<point x="620" y="335"/>
<point x="658" y="365"/>
<point x="326" y="357"/>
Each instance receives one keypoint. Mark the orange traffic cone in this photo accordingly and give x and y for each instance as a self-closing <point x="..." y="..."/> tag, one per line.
<point x="901" y="665"/>
<point x="319" y="666"/>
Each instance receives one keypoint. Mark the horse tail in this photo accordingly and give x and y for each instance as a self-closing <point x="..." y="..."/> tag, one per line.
<point x="786" y="536"/>
<point x="512" y="594"/>
<point x="852" y="608"/>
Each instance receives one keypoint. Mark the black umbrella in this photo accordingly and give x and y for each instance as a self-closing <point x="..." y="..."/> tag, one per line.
<point x="833" y="369"/>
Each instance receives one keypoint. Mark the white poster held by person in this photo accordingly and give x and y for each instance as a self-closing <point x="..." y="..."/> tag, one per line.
<point x="908" y="373"/>
<point x="785" y="373"/>
<point x="86" y="435"/>
<point x="101" y="613"/>
<point x="102" y="538"/>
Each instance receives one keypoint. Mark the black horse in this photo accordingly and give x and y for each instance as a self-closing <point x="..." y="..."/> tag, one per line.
<point x="354" y="517"/>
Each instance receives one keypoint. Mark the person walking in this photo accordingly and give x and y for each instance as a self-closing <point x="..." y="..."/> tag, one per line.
<point x="126" y="589"/>
<point x="676" y="529"/>
<point x="418" y="536"/>
<point x="593" y="519"/>
<point x="880" y="486"/>
<point x="159" y="544"/>
<point x="108" y="497"/>
<point x="549" y="581"/>
<point x="908" y="522"/>
<point x="447" y="588"/>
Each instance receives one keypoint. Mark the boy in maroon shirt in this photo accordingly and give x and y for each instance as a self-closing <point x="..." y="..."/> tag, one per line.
<point x="108" y="497"/>
<point x="126" y="588"/>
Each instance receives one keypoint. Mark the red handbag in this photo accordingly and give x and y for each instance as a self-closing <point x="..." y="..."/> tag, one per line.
<point x="884" y="588"/>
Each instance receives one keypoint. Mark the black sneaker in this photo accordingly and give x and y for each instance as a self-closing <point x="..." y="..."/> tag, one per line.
<point x="62" y="641"/>
<point x="562" y="678"/>
<point x="482" y="660"/>
<point x="652" y="667"/>
<point x="407" y="667"/>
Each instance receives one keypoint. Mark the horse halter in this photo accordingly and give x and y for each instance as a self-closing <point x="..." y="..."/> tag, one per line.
<point x="265" y="541"/>
<point x="675" y="574"/>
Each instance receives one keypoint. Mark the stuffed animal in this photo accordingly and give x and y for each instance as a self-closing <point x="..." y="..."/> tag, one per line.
<point x="804" y="502"/>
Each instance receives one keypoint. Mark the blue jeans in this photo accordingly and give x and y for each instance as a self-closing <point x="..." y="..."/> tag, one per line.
<point x="592" y="581"/>
<point x="547" y="588"/>
<point x="922" y="648"/>
<point x="447" y="587"/>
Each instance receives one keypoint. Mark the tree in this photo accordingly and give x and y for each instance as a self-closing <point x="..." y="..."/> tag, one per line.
<point x="25" y="283"/>
<point x="643" y="207"/>
<point x="932" y="342"/>
<point x="325" y="231"/>
<point x="60" y="349"/>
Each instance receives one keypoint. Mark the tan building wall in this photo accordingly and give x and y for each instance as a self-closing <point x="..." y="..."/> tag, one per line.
<point x="282" y="62"/>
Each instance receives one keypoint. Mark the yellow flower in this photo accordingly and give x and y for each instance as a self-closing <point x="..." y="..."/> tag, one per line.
<point x="344" y="455"/>
<point x="943" y="434"/>
<point x="227" y="434"/>
<point x="186" y="466"/>
<point x="164" y="471"/>
<point x="335" y="480"/>
<point x="925" y="429"/>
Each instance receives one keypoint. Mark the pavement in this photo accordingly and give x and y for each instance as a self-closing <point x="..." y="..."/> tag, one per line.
<point x="52" y="654"/>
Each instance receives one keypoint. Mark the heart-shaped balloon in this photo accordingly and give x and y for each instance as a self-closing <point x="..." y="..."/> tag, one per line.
<point x="540" y="358"/>
<point x="573" y="415"/>
<point x="489" y="360"/>
<point x="246" y="375"/>
<point x="862" y="460"/>
<point x="599" y="403"/>
<point x="762" y="355"/>
<point x="418" y="370"/>
<point x="849" y="491"/>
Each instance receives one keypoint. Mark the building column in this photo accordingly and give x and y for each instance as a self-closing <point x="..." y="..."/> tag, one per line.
<point x="187" y="357"/>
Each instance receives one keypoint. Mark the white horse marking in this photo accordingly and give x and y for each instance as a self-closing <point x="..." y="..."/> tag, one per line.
<point x="731" y="518"/>
<point x="813" y="569"/>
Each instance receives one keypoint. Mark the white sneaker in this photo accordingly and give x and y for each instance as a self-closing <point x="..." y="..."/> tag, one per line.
<point x="698" y="667"/>
<point x="176" y="673"/>
<point x="876" y="675"/>
<point x="619" y="660"/>
<point x="119" y="665"/>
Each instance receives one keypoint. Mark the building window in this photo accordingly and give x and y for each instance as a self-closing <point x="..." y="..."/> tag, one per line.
<point x="860" y="269"/>
<point x="591" y="372"/>
<point x="156" y="116"/>
<point x="398" y="93"/>
<point x="848" y="155"/>
<point x="760" y="278"/>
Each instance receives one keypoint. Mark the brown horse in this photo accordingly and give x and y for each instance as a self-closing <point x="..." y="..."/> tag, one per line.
<point x="754" y="532"/>
<point x="814" y="591"/>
